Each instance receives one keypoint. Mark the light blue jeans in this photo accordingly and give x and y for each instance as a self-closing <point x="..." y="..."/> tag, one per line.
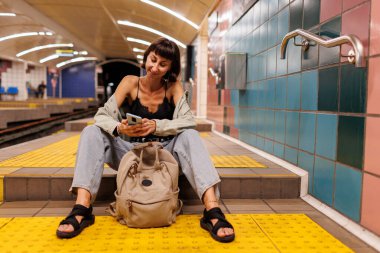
<point x="97" y="147"/>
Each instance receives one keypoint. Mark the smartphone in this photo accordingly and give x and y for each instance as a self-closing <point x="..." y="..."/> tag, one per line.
<point x="133" y="119"/>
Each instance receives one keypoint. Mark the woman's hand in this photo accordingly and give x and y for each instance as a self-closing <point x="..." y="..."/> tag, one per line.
<point x="145" y="128"/>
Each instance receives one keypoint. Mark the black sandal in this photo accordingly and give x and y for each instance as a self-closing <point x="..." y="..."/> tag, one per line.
<point x="78" y="210"/>
<point x="216" y="213"/>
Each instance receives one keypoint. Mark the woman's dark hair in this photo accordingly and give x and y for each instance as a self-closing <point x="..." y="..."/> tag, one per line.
<point x="169" y="50"/>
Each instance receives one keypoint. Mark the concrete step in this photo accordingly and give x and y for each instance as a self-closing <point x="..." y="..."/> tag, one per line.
<point x="54" y="183"/>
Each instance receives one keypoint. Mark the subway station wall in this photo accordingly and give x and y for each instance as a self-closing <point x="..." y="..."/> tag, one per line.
<point x="312" y="109"/>
<point x="78" y="81"/>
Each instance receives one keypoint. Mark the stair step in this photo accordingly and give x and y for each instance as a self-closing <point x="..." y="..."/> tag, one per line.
<point x="21" y="187"/>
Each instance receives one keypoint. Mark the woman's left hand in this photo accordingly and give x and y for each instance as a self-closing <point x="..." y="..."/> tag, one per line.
<point x="148" y="127"/>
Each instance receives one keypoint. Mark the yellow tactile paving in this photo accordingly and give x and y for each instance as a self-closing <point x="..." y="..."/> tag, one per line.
<point x="259" y="233"/>
<point x="59" y="154"/>
<point x="235" y="161"/>
<point x="204" y="134"/>
<point x="62" y="154"/>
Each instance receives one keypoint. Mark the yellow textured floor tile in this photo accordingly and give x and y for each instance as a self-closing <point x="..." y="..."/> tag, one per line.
<point x="298" y="233"/>
<point x="1" y="189"/>
<point x="204" y="134"/>
<point x="235" y="161"/>
<point x="254" y="233"/>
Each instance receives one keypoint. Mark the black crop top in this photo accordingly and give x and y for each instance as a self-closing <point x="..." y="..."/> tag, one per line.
<point x="165" y="109"/>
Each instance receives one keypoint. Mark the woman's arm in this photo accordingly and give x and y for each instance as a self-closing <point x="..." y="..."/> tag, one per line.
<point x="108" y="117"/>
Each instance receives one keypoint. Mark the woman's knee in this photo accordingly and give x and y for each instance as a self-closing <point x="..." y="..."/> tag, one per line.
<point x="190" y="134"/>
<point x="91" y="132"/>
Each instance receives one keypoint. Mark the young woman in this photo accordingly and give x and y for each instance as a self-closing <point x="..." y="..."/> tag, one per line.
<point x="159" y="99"/>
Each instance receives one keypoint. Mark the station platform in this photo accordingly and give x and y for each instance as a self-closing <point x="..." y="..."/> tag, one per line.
<point x="260" y="198"/>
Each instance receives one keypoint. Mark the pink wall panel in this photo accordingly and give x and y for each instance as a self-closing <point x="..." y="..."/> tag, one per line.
<point x="375" y="28"/>
<point x="373" y="93"/>
<point x="371" y="203"/>
<point x="330" y="8"/>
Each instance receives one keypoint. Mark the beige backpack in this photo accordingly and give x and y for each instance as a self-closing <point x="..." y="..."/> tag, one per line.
<point x="147" y="187"/>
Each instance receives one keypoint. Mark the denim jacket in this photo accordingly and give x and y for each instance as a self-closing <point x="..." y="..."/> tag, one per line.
<point x="108" y="117"/>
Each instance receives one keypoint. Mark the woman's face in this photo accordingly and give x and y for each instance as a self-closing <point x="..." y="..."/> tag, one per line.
<point x="156" y="65"/>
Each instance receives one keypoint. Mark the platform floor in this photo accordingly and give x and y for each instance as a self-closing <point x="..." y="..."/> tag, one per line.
<point x="262" y="225"/>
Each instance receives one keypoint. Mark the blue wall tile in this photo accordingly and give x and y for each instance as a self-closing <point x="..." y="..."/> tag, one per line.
<point x="282" y="64"/>
<point x="269" y="124"/>
<point x="326" y="139"/>
<point x="291" y="155"/>
<point x="264" y="10"/>
<point x="307" y="131"/>
<point x="279" y="130"/>
<point x="264" y="36"/>
<point x="273" y="7"/>
<point x="348" y="187"/>
<point x="292" y="129"/>
<point x="280" y="97"/>
<point x="262" y="61"/>
<point x="272" y="31"/>
<point x="83" y="74"/>
<point x="271" y="62"/>
<point x="309" y="90"/>
<point x="260" y="142"/>
<point x="283" y="24"/>
<point x="293" y="94"/>
<point x="293" y="53"/>
<point x="306" y="162"/>
<point x="282" y="3"/>
<point x="279" y="150"/>
<point x="268" y="146"/>
<point x="323" y="180"/>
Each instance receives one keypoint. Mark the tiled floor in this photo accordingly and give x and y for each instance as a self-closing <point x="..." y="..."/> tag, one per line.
<point x="233" y="206"/>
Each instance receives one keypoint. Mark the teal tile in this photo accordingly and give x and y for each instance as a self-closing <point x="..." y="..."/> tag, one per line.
<point x="306" y="162"/>
<point x="351" y="141"/>
<point x="283" y="24"/>
<point x="254" y="68"/>
<point x="272" y="32"/>
<point x="268" y="146"/>
<point x="261" y="92"/>
<point x="260" y="142"/>
<point x="291" y="155"/>
<point x="296" y="13"/>
<point x="353" y="89"/>
<point x="260" y="122"/>
<point x="273" y="7"/>
<point x="234" y="97"/>
<point x="282" y="64"/>
<point x="271" y="93"/>
<point x="279" y="150"/>
<point x="326" y="135"/>
<point x="310" y="57"/>
<point x="279" y="130"/>
<point x="263" y="37"/>
<point x="271" y="63"/>
<point x="328" y="89"/>
<point x="323" y="180"/>
<point x="292" y="129"/>
<point x="311" y="13"/>
<point x="269" y="120"/>
<point x="293" y="94"/>
<point x="282" y="3"/>
<point x="256" y="15"/>
<point x="253" y="122"/>
<point x="262" y="73"/>
<point x="280" y="97"/>
<point x="330" y="30"/>
<point x="255" y="41"/>
<point x="264" y="10"/>
<point x="294" y="56"/>
<point x="348" y="191"/>
<point x="307" y="132"/>
<point x="309" y="90"/>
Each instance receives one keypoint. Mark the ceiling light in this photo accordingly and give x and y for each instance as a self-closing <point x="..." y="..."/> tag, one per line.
<point x="177" y="15"/>
<point x="138" y="50"/>
<point x="144" y="42"/>
<point x="43" y="47"/>
<point x="83" y="53"/>
<point x="17" y="35"/>
<point x="149" y="29"/>
<point x="50" y="57"/>
<point x="7" y="14"/>
<point x="79" y="59"/>
<point x="140" y="56"/>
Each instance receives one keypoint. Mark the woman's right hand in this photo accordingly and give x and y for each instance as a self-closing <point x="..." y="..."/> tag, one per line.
<point x="130" y="130"/>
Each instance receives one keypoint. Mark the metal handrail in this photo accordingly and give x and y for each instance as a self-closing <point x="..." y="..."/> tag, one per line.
<point x="351" y="39"/>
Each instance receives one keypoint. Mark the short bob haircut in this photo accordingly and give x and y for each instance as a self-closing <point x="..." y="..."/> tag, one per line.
<point x="169" y="50"/>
